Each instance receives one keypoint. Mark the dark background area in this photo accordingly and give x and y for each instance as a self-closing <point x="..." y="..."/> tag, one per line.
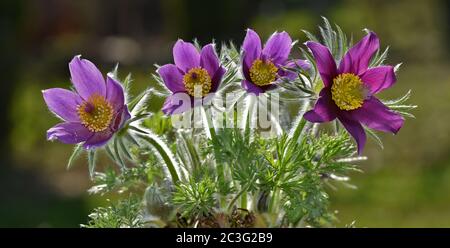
<point x="407" y="184"/>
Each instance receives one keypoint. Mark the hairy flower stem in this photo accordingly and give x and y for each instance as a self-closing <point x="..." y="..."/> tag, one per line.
<point x="244" y="200"/>
<point x="336" y="127"/>
<point x="243" y="190"/>
<point x="247" y="117"/>
<point x="299" y="129"/>
<point x="161" y="150"/>
<point x="209" y="125"/>
<point x="222" y="177"/>
<point x="165" y="157"/>
<point x="211" y="133"/>
<point x="301" y="123"/>
<point x="273" y="200"/>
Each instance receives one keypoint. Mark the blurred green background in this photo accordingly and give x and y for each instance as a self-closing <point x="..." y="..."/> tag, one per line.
<point x="405" y="185"/>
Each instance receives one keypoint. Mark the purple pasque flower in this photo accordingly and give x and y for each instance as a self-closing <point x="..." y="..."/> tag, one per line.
<point x="263" y="67"/>
<point x="93" y="113"/>
<point x="349" y="90"/>
<point x="194" y="74"/>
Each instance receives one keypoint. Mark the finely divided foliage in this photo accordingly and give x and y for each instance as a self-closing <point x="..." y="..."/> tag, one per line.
<point x="210" y="176"/>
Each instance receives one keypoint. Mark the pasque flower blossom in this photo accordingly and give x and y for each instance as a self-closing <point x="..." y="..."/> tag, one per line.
<point x="263" y="67"/>
<point x="194" y="75"/>
<point x="93" y="113"/>
<point x="349" y="90"/>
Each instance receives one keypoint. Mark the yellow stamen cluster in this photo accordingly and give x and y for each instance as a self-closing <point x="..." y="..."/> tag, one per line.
<point x="197" y="82"/>
<point x="347" y="91"/>
<point x="96" y="113"/>
<point x="263" y="72"/>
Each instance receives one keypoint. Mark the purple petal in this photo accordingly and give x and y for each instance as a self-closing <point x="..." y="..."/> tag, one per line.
<point x="98" y="139"/>
<point x="86" y="78"/>
<point x="354" y="128"/>
<point x="126" y="114"/>
<point x="251" y="50"/>
<point x="325" y="62"/>
<point x="209" y="60"/>
<point x="172" y="77"/>
<point x="374" y="114"/>
<point x="217" y="78"/>
<point x="277" y="48"/>
<point x="69" y="133"/>
<point x="252" y="88"/>
<point x="63" y="103"/>
<point x="325" y="109"/>
<point x="186" y="55"/>
<point x="177" y="103"/>
<point x="379" y="78"/>
<point x="357" y="59"/>
<point x="298" y="63"/>
<point x="120" y="118"/>
<point x="114" y="93"/>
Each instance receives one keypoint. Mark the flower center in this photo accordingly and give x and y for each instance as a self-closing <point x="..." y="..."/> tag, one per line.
<point x="263" y="72"/>
<point x="347" y="91"/>
<point x="96" y="113"/>
<point x="197" y="82"/>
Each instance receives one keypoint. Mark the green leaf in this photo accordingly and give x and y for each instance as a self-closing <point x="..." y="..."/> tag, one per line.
<point x="110" y="150"/>
<point x="400" y="100"/>
<point x="131" y="139"/>
<point x="406" y="114"/>
<point x="162" y="149"/>
<point x="397" y="67"/>
<point x="75" y="154"/>
<point x="398" y="105"/>
<point x="117" y="153"/>
<point x="378" y="59"/>
<point x="114" y="72"/>
<point x="124" y="213"/>
<point x="375" y="137"/>
<point x="91" y="161"/>
<point x="342" y="42"/>
<point x="310" y="36"/>
<point x="124" y="149"/>
<point x="138" y="103"/>
<point x="126" y="83"/>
